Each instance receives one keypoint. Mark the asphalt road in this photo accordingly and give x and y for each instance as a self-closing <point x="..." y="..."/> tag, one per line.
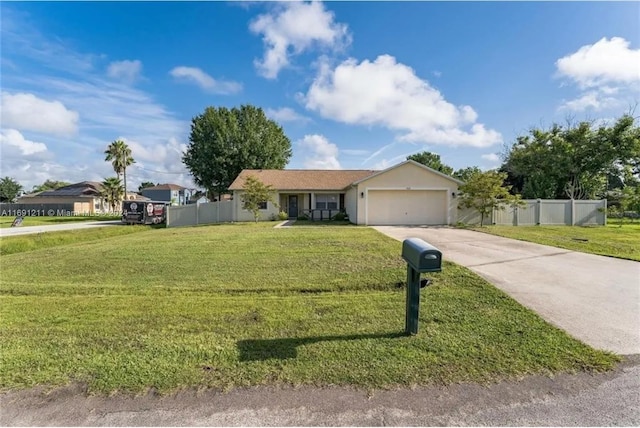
<point x="26" y="230"/>
<point x="594" y="298"/>
<point x="583" y="399"/>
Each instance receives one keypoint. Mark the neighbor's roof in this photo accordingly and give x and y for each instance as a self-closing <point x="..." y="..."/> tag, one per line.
<point x="167" y="186"/>
<point x="303" y="179"/>
<point x="82" y="189"/>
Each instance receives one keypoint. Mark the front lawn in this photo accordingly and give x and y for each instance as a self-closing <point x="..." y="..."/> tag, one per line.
<point x="37" y="241"/>
<point x="611" y="240"/>
<point x="238" y="305"/>
<point x="6" y="221"/>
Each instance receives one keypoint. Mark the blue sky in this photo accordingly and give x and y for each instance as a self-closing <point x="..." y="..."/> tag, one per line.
<point x="355" y="85"/>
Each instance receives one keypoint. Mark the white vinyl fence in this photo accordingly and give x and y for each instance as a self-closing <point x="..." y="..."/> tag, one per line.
<point x="191" y="215"/>
<point x="544" y="211"/>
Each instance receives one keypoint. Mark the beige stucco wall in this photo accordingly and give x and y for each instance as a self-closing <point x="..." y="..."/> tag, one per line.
<point x="244" y="215"/>
<point x="80" y="205"/>
<point x="351" y="204"/>
<point x="408" y="176"/>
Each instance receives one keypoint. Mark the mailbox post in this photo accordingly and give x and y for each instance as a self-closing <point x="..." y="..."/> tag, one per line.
<point x="421" y="257"/>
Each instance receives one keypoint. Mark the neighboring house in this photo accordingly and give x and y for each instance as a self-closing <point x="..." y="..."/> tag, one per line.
<point x="81" y="198"/>
<point x="406" y="193"/>
<point x="198" y="198"/>
<point x="136" y="197"/>
<point x="173" y="193"/>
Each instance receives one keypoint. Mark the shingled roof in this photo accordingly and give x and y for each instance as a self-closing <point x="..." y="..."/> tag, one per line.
<point x="167" y="186"/>
<point x="87" y="189"/>
<point x="303" y="179"/>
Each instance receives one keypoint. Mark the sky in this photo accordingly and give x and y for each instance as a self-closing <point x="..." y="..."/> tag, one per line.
<point x="355" y="85"/>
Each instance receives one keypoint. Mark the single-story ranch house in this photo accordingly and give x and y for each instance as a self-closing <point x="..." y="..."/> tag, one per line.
<point x="406" y="193"/>
<point x="80" y="198"/>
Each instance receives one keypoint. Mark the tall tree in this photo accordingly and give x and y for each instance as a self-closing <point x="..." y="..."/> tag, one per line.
<point x="112" y="191"/>
<point x="431" y="160"/>
<point x="255" y="194"/>
<point x="225" y="141"/>
<point x="144" y="185"/>
<point x="49" y="185"/>
<point x="119" y="154"/>
<point x="9" y="189"/>
<point x="464" y="174"/>
<point x="485" y="191"/>
<point x="573" y="160"/>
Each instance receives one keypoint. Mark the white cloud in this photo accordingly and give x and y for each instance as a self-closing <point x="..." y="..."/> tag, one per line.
<point x="596" y="100"/>
<point x="126" y="70"/>
<point x="606" y="61"/>
<point x="607" y="72"/>
<point x="206" y="82"/>
<point x="285" y="114"/>
<point x="292" y="28"/>
<point x="491" y="157"/>
<point x="13" y="138"/>
<point x="114" y="108"/>
<point x="163" y="153"/>
<point x="319" y="152"/>
<point x="387" y="93"/>
<point x="27" y="112"/>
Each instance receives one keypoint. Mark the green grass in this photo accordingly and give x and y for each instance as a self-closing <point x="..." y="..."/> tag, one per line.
<point x="323" y="223"/>
<point x="6" y="221"/>
<point x="38" y="241"/>
<point x="611" y="240"/>
<point x="240" y="305"/>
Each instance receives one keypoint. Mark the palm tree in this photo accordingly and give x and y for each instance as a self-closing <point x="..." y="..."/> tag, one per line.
<point x="119" y="154"/>
<point x="112" y="191"/>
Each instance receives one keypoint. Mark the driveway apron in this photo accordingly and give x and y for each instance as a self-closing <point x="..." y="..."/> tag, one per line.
<point x="594" y="298"/>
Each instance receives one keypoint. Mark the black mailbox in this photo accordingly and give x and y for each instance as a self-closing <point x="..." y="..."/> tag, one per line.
<point x="421" y="256"/>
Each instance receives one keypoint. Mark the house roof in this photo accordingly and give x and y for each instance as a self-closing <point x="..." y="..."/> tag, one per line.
<point x="167" y="186"/>
<point x="87" y="189"/>
<point x="137" y="197"/>
<point x="303" y="179"/>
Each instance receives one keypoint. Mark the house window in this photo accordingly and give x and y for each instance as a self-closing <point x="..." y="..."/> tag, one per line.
<point x="262" y="205"/>
<point x="327" y="201"/>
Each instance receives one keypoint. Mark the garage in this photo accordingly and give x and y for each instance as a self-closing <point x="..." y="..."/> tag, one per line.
<point x="410" y="207"/>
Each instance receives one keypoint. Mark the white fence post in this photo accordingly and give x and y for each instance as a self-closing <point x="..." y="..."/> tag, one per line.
<point x="573" y="212"/>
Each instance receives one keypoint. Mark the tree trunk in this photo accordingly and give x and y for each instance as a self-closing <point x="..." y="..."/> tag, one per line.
<point x="482" y="219"/>
<point x="125" y="184"/>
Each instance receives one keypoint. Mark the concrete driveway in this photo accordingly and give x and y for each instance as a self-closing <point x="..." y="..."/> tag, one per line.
<point x="26" y="230"/>
<point x="594" y="298"/>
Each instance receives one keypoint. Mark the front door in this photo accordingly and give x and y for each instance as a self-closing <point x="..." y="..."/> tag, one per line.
<point x="293" y="206"/>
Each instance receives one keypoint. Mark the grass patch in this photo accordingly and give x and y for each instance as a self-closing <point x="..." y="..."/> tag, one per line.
<point x="47" y="240"/>
<point x="612" y="240"/>
<point x="323" y="223"/>
<point x="6" y="221"/>
<point x="239" y="305"/>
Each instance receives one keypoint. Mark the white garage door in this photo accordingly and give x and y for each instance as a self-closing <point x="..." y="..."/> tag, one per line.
<point x="406" y="207"/>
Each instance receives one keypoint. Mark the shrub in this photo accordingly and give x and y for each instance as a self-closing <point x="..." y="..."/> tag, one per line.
<point x="303" y="217"/>
<point x="340" y="216"/>
<point x="283" y="215"/>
